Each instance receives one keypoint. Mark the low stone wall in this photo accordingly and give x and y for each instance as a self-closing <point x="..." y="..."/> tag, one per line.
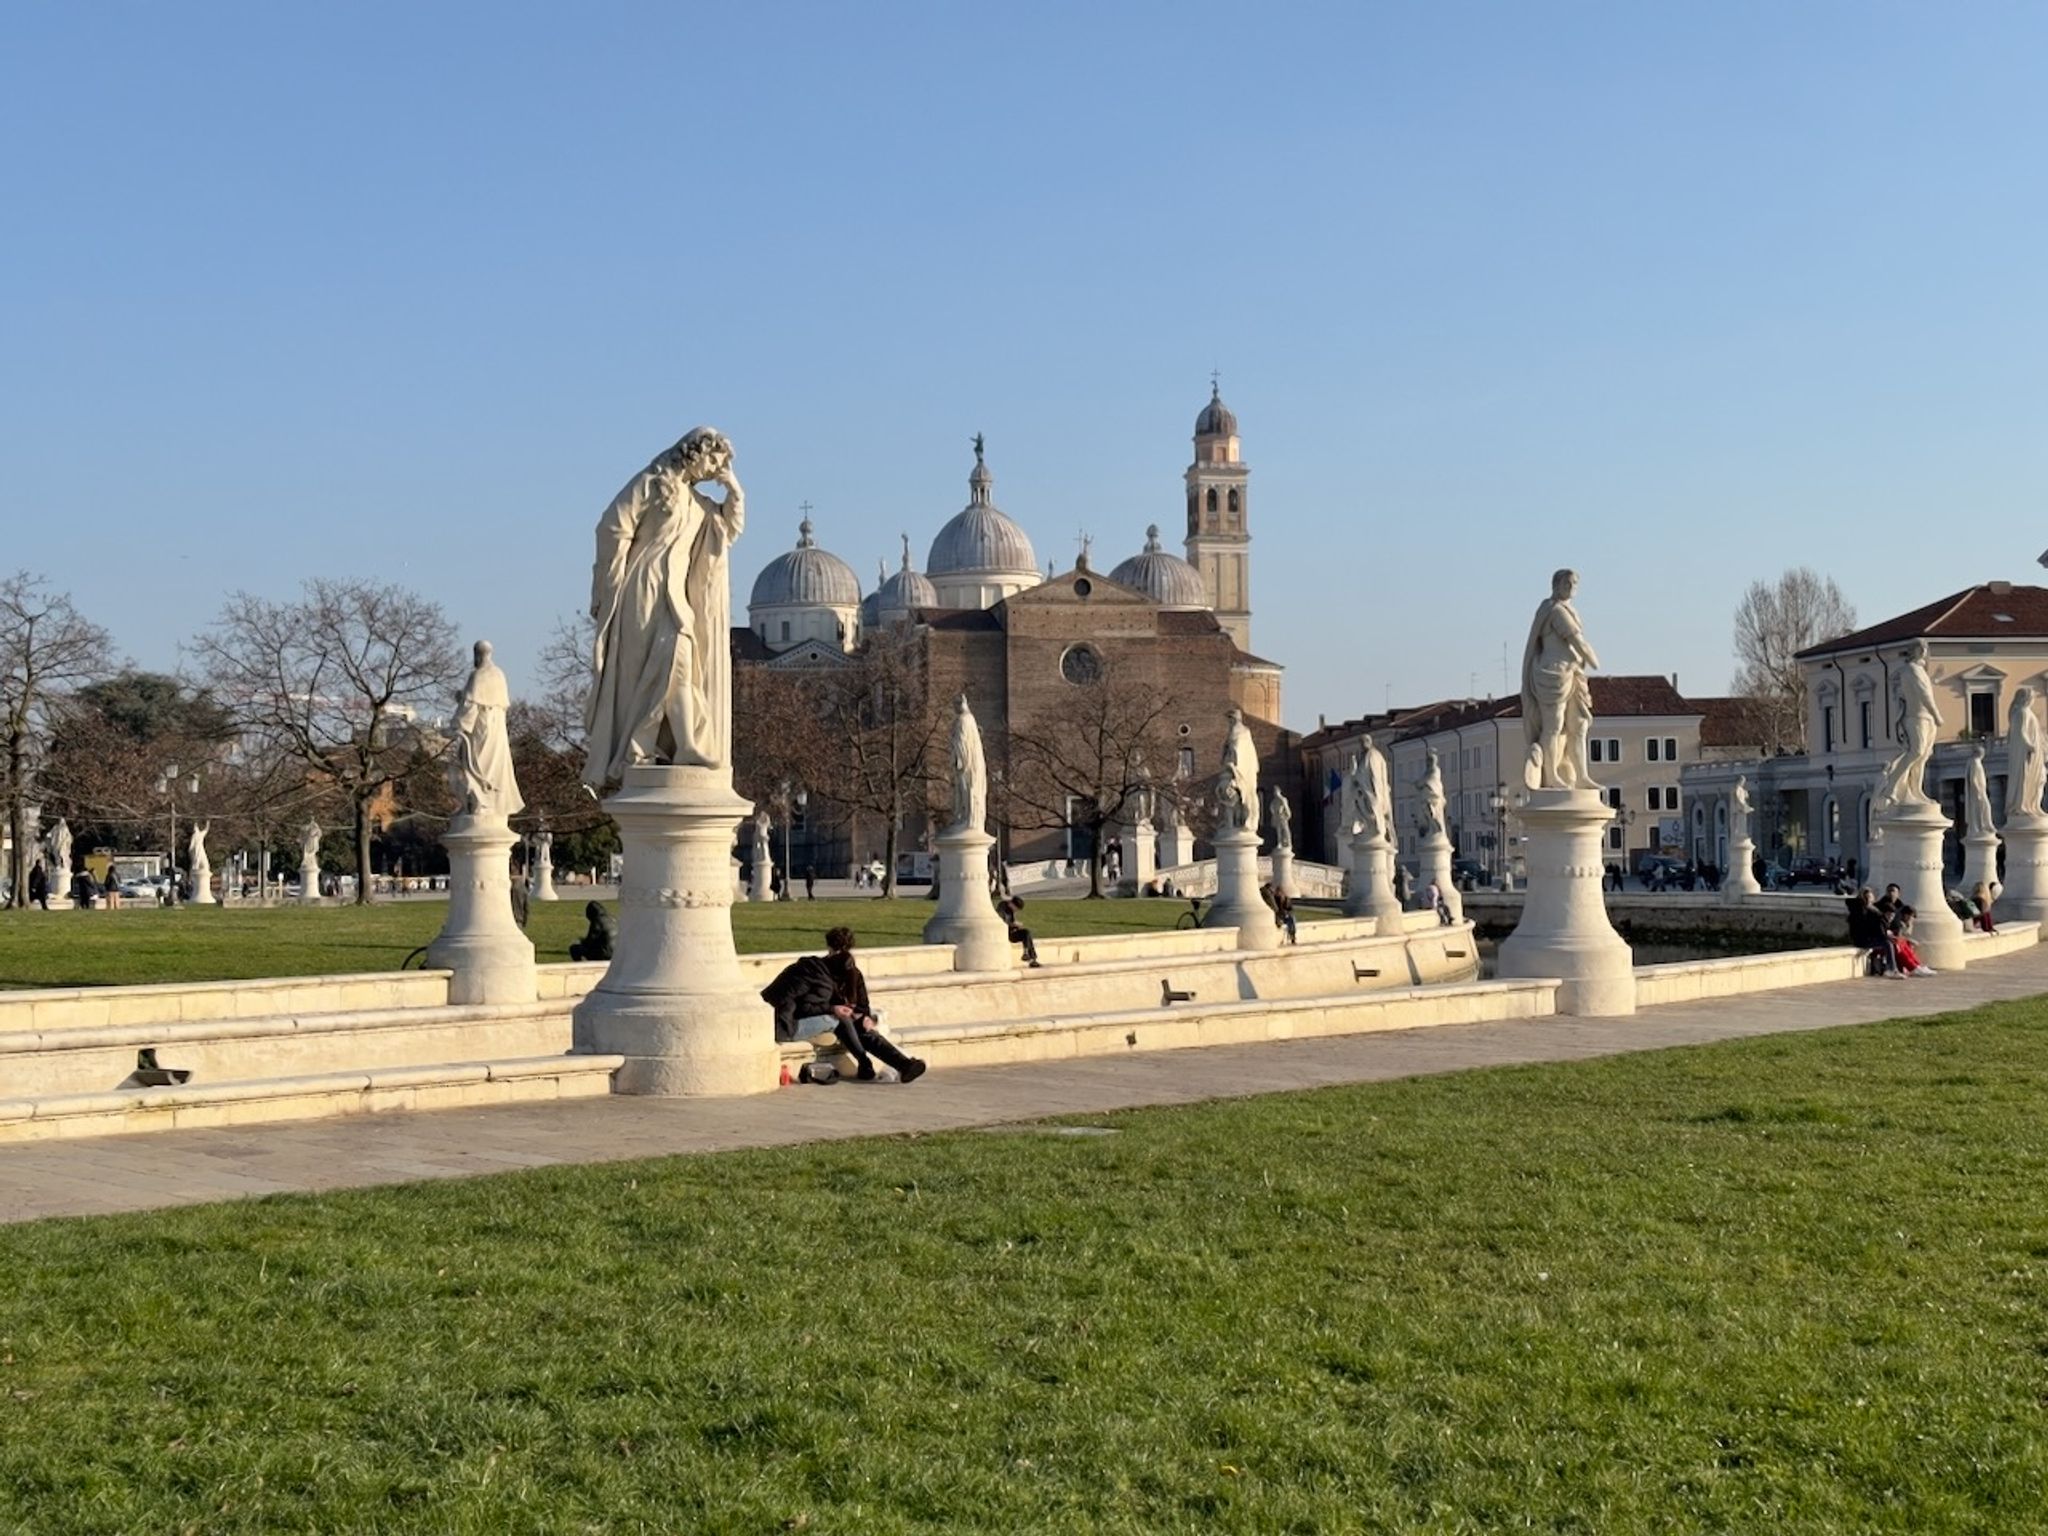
<point x="1682" y="916"/>
<point x="93" y="1007"/>
<point x="1690" y="981"/>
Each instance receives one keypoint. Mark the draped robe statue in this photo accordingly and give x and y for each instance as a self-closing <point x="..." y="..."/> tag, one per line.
<point x="1739" y="810"/>
<point x="1283" y="824"/>
<point x="970" y="772"/>
<point x="309" y="855"/>
<point x="58" y="846"/>
<point x="480" y="763"/>
<point x="2026" y="770"/>
<point x="661" y="689"/>
<point x="1904" y="781"/>
<point x="1367" y="786"/>
<point x="1240" y="777"/>
<point x="196" y="860"/>
<point x="1433" y="799"/>
<point x="1557" y="701"/>
<point x="1977" y="799"/>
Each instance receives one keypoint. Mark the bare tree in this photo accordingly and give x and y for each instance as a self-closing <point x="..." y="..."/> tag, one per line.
<point x="338" y="682"/>
<point x="1774" y="623"/>
<point x="1077" y="762"/>
<point x="47" y="650"/>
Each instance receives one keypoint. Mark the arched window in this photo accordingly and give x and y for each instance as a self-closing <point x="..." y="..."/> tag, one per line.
<point x="1212" y="498"/>
<point x="1233" y="501"/>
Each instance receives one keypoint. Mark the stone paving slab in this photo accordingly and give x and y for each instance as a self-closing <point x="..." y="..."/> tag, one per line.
<point x="97" y="1175"/>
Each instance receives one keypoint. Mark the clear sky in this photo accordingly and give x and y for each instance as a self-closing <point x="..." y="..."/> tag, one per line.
<point x="1678" y="294"/>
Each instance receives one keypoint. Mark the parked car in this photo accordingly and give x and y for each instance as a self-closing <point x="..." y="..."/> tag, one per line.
<point x="1466" y="873"/>
<point x="1661" y="871"/>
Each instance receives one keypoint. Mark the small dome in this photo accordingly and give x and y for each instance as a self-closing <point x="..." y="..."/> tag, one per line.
<point x="1217" y="419"/>
<point x="897" y="597"/>
<point x="806" y="577"/>
<point x="980" y="538"/>
<point x="1165" y="578"/>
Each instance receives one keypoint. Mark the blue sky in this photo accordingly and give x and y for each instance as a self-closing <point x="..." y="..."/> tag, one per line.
<point x="1680" y="295"/>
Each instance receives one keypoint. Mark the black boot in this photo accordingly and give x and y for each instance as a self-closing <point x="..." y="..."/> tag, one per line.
<point x="849" y="1035"/>
<point x="908" y="1068"/>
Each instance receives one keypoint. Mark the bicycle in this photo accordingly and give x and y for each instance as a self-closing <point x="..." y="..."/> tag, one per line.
<point x="1192" y="918"/>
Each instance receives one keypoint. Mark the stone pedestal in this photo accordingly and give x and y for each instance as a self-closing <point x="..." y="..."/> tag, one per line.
<point x="1238" y="902"/>
<point x="1176" y="846"/>
<point x="966" y="918"/>
<point x="1564" y="931"/>
<point x="1139" y="869"/>
<point x="1873" y="858"/>
<point x="480" y="942"/>
<point x="202" y="889"/>
<point x="1912" y="861"/>
<point x="1436" y="865"/>
<point x="2025" y="897"/>
<point x="309" y="885"/>
<point x="1369" y="892"/>
<point x="1283" y="870"/>
<point x="673" y="1001"/>
<point x="1980" y="861"/>
<point x="1740" y="879"/>
<point x="761" y="879"/>
<point x="543" y="881"/>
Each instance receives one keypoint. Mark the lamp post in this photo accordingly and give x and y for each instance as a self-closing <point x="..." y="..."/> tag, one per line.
<point x="1497" y="802"/>
<point x="167" y="786"/>
<point x="789" y="802"/>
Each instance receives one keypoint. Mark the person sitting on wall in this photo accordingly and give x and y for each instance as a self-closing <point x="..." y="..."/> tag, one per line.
<point x="598" y="938"/>
<point x="1010" y="909"/>
<point x="1870" y="930"/>
<point x="827" y="994"/>
<point x="1901" y="933"/>
<point x="1980" y="900"/>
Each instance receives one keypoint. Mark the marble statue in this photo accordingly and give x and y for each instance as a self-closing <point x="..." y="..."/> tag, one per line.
<point x="195" y="855"/>
<point x="544" y="859"/>
<point x="1283" y="824"/>
<point x="309" y="856"/>
<point x="1977" y="798"/>
<point x="480" y="761"/>
<point x="970" y="772"/>
<point x="1557" y="701"/>
<point x="1905" y="778"/>
<point x="1240" y="777"/>
<point x="763" y="831"/>
<point x="2026" y="770"/>
<point x="661" y="597"/>
<point x="1433" y="799"/>
<point x="1365" y="783"/>
<point x="58" y="847"/>
<point x="1739" y="809"/>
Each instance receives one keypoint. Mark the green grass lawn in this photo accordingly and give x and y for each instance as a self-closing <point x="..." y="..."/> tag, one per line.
<point x="67" y="949"/>
<point x="1785" y="1284"/>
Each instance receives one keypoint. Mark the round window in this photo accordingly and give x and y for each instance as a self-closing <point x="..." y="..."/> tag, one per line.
<point x="1081" y="665"/>
<point x="1083" y="586"/>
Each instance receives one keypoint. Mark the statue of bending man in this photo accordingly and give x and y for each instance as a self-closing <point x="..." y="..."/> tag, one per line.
<point x="661" y="690"/>
<point x="1557" y="701"/>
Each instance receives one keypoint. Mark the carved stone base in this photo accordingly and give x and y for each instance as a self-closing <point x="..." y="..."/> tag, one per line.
<point x="1740" y="879"/>
<point x="1873" y="858"/>
<point x="1369" y="889"/>
<point x="1564" y="931"/>
<point x="1912" y="860"/>
<point x="1980" y="861"/>
<point x="1238" y="902"/>
<point x="202" y="892"/>
<point x="1176" y="846"/>
<point x="1139" y="867"/>
<point x="2025" y="897"/>
<point x="1436" y="865"/>
<point x="1283" y="871"/>
<point x="966" y="918"/>
<point x="761" y="878"/>
<point x="480" y="943"/>
<point x="673" y="1001"/>
<point x="543" y="882"/>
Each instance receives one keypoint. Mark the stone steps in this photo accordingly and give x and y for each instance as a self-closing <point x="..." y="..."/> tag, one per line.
<point x="1186" y="1025"/>
<point x="445" y="1085"/>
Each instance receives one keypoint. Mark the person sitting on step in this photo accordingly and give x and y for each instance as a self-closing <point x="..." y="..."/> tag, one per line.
<point x="1009" y="909"/>
<point x="825" y="994"/>
<point x="598" y="939"/>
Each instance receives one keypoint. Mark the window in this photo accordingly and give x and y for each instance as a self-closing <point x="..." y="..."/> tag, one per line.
<point x="1212" y="498"/>
<point x="1187" y="763"/>
<point x="1863" y="720"/>
<point x="1081" y="666"/>
<point x="785" y="629"/>
<point x="1614" y="838"/>
<point x="1983" y="712"/>
<point x="1613" y="797"/>
<point x="1233" y="501"/>
<point x="1651" y="753"/>
<point x="1653" y="797"/>
<point x="1827" y="727"/>
<point x="1593" y="750"/>
<point x="1612" y="744"/>
<point x="1670" y="749"/>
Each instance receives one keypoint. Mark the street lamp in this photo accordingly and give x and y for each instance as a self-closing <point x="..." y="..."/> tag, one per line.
<point x="1497" y="802"/>
<point x="790" y="803"/>
<point x="167" y="786"/>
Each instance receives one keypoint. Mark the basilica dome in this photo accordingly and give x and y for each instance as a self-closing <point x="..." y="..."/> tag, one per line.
<point x="806" y="577"/>
<point x="1217" y="419"/>
<point x="1165" y="578"/>
<point x="981" y="557"/>
<point x="897" y="598"/>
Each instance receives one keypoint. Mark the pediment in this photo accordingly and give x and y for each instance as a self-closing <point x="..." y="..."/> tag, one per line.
<point x="1077" y="588"/>
<point x="812" y="653"/>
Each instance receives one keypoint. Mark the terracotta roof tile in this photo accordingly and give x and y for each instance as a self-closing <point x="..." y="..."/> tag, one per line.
<point x="1971" y="614"/>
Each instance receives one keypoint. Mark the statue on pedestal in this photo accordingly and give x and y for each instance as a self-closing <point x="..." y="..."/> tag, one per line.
<point x="970" y="772"/>
<point x="1977" y="798"/>
<point x="1904" y="782"/>
<point x="309" y="858"/>
<point x="58" y="846"/>
<point x="1283" y="824"/>
<point x="480" y="760"/>
<point x="1367" y="807"/>
<point x="1739" y="808"/>
<point x="195" y="856"/>
<point x="1433" y="799"/>
<point x="1239" y="782"/>
<point x="661" y="595"/>
<point x="763" y="832"/>
<point x="1557" y="701"/>
<point x="2026" y="770"/>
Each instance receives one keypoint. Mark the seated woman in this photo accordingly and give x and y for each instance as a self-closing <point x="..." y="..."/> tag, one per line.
<point x="598" y="938"/>
<point x="1902" y="943"/>
<point x="1981" y="898"/>
<point x="820" y="995"/>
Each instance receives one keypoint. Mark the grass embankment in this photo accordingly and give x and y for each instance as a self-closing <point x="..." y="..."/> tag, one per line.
<point x="149" y="944"/>
<point x="1787" y="1284"/>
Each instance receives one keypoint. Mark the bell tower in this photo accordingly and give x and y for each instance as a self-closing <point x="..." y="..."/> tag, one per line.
<point x="1219" y="542"/>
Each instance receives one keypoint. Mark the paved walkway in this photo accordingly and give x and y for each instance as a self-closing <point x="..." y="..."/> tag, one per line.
<point x="123" y="1173"/>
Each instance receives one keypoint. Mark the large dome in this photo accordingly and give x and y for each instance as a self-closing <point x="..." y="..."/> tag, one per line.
<point x="1217" y="419"/>
<point x="1165" y="578"/>
<point x="806" y="577"/>
<point x="980" y="538"/>
<point x="897" y="597"/>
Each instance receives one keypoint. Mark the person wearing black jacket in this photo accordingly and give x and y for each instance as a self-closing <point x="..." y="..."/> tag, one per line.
<point x="832" y="987"/>
<point x="1870" y="929"/>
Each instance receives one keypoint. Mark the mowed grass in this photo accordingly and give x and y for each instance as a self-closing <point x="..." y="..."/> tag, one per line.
<point x="149" y="944"/>
<point x="1793" y="1284"/>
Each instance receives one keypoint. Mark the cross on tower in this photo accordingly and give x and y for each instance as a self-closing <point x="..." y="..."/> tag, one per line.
<point x="1086" y="540"/>
<point x="804" y="507"/>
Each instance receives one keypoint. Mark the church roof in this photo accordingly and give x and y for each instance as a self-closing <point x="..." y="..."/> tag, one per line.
<point x="980" y="538"/>
<point x="1162" y="576"/>
<point x="1991" y="610"/>
<point x="900" y="596"/>
<point x="806" y="576"/>
<point x="1217" y="419"/>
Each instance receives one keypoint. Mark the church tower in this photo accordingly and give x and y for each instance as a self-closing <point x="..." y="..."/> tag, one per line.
<point x="1219" y="540"/>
